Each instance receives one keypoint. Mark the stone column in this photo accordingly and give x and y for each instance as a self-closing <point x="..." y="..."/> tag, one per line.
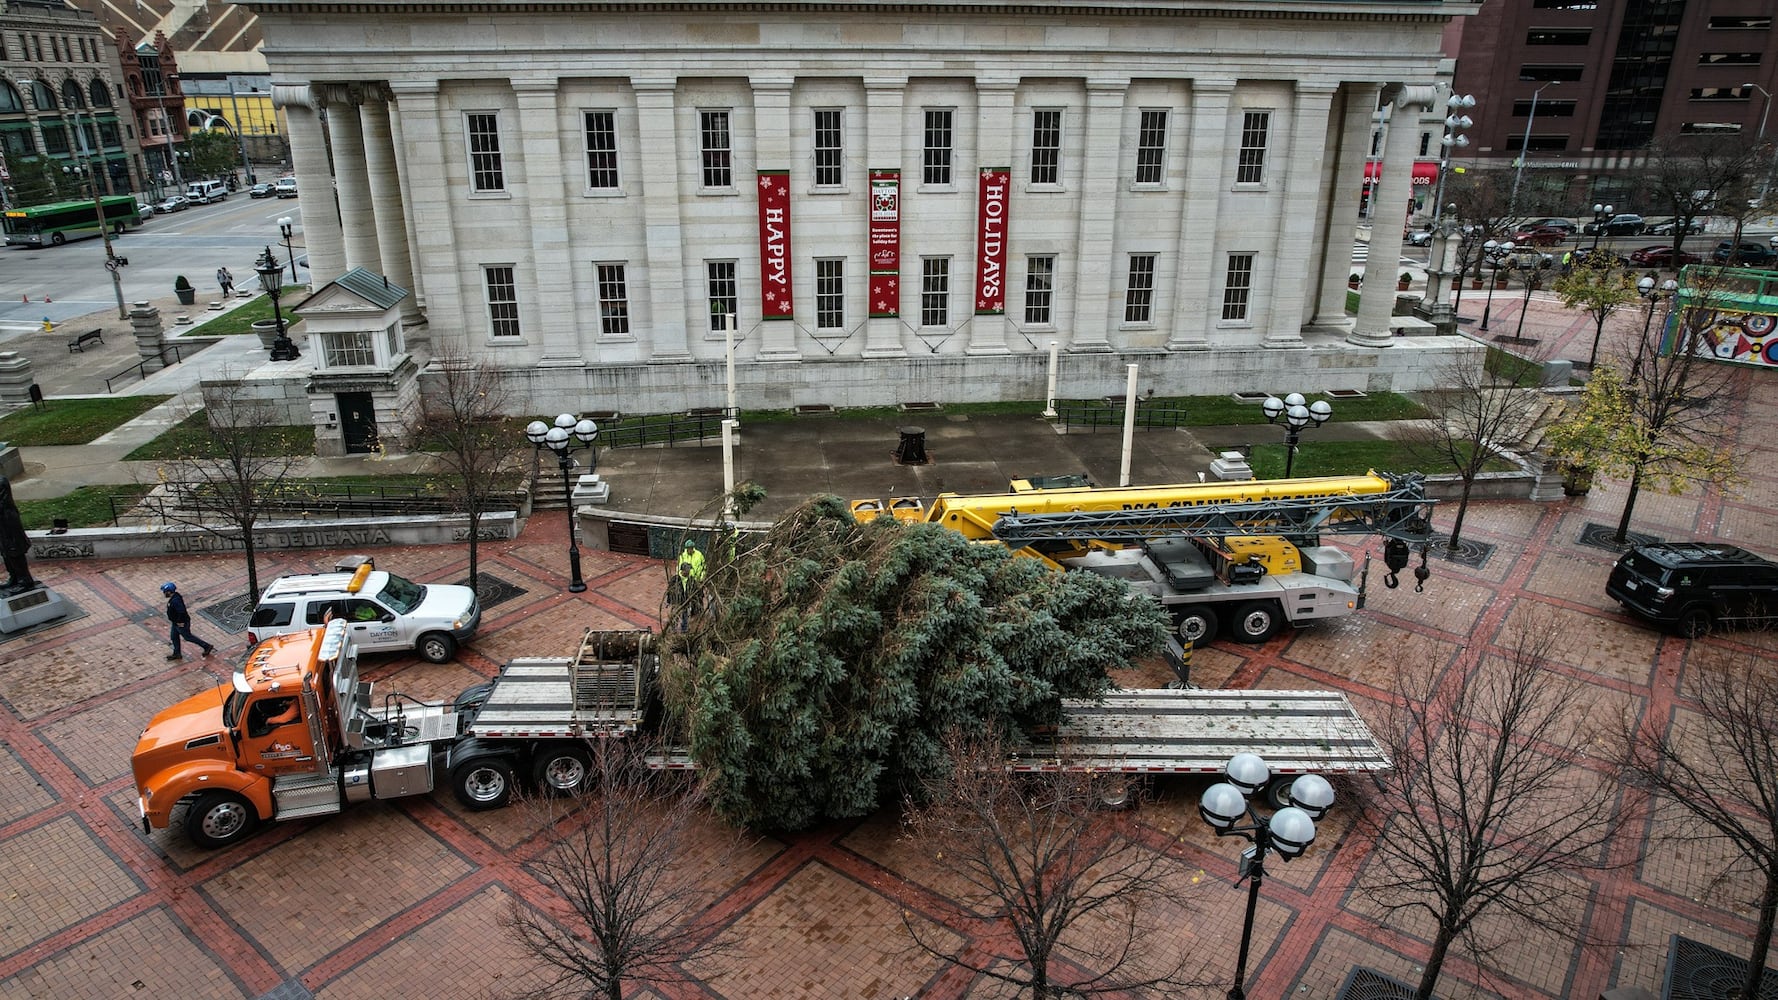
<point x="883" y="100"/>
<point x="308" y="158"/>
<point x="16" y="378"/>
<point x="1302" y="208"/>
<point x="385" y="196"/>
<point x="402" y="171"/>
<point x="1377" y="302"/>
<point x="1093" y="281"/>
<point x="1356" y="104"/>
<point x="422" y="149"/>
<point x="151" y="338"/>
<point x="669" y="273"/>
<point x="552" y="262"/>
<point x="1204" y="158"/>
<point x="994" y="120"/>
<point x="346" y="128"/>
<point x="771" y="143"/>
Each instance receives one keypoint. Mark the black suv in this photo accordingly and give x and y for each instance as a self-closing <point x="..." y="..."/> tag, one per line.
<point x="1691" y="587"/>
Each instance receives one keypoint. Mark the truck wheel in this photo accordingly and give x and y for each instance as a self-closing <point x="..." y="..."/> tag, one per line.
<point x="1278" y="792"/>
<point x="57" y="239"/>
<point x="1196" y="625"/>
<point x="218" y="819"/>
<point x="562" y="770"/>
<point x="1694" y="622"/>
<point x="436" y="647"/>
<point x="483" y="782"/>
<point x="1257" y="621"/>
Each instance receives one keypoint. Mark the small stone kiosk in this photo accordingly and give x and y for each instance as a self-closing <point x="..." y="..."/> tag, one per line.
<point x="365" y="386"/>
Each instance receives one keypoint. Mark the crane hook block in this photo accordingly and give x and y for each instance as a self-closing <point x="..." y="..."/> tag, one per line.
<point x="1395" y="556"/>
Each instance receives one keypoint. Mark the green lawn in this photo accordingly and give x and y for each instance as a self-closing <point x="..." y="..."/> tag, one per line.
<point x="73" y="421"/>
<point x="192" y="438"/>
<point x="241" y="318"/>
<point x="1345" y="458"/>
<point x="86" y="507"/>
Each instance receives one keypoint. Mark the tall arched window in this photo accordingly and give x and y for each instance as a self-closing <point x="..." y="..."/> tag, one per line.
<point x="10" y="101"/>
<point x="42" y="96"/>
<point x="71" y="95"/>
<point x="99" y="93"/>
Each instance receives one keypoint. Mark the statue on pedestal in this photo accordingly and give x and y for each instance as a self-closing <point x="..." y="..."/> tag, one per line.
<point x="15" y="545"/>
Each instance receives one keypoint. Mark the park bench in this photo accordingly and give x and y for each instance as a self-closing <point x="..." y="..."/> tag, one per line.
<point x="77" y="345"/>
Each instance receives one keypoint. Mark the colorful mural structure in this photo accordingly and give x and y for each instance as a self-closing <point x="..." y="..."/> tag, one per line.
<point x="1731" y="315"/>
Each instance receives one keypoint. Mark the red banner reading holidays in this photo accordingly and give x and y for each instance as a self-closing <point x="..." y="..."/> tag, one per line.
<point x="776" y="300"/>
<point x="990" y="243"/>
<point x="885" y="242"/>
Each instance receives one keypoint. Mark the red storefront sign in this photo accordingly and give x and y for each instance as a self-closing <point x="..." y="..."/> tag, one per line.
<point x="885" y="242"/>
<point x="776" y="298"/>
<point x="990" y="241"/>
<point x="1425" y="172"/>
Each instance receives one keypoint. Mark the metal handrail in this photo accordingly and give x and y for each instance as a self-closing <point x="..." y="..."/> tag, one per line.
<point x="139" y="368"/>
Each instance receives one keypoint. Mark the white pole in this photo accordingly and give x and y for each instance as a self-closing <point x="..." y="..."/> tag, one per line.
<point x="1049" y="406"/>
<point x="728" y="468"/>
<point x="1123" y="476"/>
<point x="728" y="350"/>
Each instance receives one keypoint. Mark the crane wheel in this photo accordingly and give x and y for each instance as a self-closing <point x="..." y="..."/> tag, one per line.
<point x="1196" y="625"/>
<point x="1257" y="621"/>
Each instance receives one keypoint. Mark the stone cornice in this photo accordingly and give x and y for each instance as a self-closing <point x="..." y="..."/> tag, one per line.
<point x="1253" y="10"/>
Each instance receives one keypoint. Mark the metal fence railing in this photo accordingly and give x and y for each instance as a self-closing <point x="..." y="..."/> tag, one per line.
<point x="140" y="368"/>
<point x="1092" y="414"/>
<point x="179" y="501"/>
<point x="669" y="429"/>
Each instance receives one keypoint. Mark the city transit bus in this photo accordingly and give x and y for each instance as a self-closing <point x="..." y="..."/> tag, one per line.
<point x="61" y="221"/>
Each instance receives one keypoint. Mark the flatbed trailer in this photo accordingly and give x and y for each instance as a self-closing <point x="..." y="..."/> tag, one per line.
<point x="1196" y="731"/>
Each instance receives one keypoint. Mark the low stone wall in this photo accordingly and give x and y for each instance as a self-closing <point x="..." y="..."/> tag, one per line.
<point x="645" y="534"/>
<point x="113" y="543"/>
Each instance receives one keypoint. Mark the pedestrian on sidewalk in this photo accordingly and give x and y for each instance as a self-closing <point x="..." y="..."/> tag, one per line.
<point x="226" y="280"/>
<point x="181" y="621"/>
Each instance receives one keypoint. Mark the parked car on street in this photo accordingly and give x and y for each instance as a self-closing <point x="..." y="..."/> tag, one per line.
<point x="1418" y="237"/>
<point x="264" y="189"/>
<point x="145" y="208"/>
<point x="1552" y="223"/>
<point x="1746" y="253"/>
<point x="173" y="203"/>
<point x="1692" y="587"/>
<point x="1541" y="236"/>
<point x="1618" y="225"/>
<point x="1662" y="257"/>
<point x="1665" y="227"/>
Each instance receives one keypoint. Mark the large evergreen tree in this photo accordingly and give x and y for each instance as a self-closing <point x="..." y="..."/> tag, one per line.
<point x="828" y="662"/>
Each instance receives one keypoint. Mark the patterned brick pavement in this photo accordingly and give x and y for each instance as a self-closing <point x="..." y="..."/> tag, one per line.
<point x="405" y="898"/>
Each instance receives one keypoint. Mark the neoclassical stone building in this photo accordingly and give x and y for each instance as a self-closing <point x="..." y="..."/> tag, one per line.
<point x="890" y="201"/>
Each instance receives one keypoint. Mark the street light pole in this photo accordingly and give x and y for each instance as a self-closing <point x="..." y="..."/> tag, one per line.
<point x="1287" y="833"/>
<point x="1495" y="253"/>
<point x="284" y="228"/>
<point x="112" y="261"/>
<point x="558" y="440"/>
<point x="271" y="278"/>
<point x="1297" y="417"/>
<point x="1512" y="202"/>
<point x="1601" y="215"/>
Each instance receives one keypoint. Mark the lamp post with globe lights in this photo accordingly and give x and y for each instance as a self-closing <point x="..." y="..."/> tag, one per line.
<point x="561" y="439"/>
<point x="1496" y="254"/>
<point x="271" y="278"/>
<point x="1287" y="833"/>
<point x="1601" y="215"/>
<point x="1298" y="414"/>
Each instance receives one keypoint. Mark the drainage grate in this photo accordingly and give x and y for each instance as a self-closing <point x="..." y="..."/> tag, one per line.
<point x="1345" y="394"/>
<point x="491" y="590"/>
<point x="1369" y="984"/>
<point x="1602" y="536"/>
<point x="229" y="614"/>
<point x="1467" y="553"/>
<point x="1696" y="971"/>
<point x="804" y="409"/>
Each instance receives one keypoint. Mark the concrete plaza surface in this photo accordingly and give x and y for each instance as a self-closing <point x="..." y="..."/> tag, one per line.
<point x="405" y="898"/>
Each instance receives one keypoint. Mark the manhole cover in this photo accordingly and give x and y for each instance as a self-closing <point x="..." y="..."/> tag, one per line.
<point x="289" y="989"/>
<point x="1465" y="553"/>
<point x="1603" y="536"/>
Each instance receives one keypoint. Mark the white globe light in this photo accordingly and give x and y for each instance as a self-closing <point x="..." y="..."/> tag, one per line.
<point x="1248" y="772"/>
<point x="1312" y="794"/>
<point x="1222" y="806"/>
<point x="1292" y="832"/>
<point x="535" y="431"/>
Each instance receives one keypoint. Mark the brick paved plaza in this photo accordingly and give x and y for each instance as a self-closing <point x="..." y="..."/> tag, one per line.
<point x="405" y="898"/>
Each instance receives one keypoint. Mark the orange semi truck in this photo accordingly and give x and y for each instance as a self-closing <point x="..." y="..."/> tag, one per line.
<point x="296" y="733"/>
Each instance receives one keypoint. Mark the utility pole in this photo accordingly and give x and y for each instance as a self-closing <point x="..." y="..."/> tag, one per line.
<point x="112" y="261"/>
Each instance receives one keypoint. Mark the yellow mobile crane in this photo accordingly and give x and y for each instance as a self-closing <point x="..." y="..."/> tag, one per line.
<point x="1247" y="553"/>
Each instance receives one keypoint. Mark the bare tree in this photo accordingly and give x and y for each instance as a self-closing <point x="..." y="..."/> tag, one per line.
<point x="1037" y="850"/>
<point x="462" y="422"/>
<point x="1656" y="421"/>
<point x="1493" y="803"/>
<point x="233" y="481"/>
<point x="1716" y="760"/>
<point x="627" y="864"/>
<point x="1481" y="406"/>
<point x="1695" y="176"/>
